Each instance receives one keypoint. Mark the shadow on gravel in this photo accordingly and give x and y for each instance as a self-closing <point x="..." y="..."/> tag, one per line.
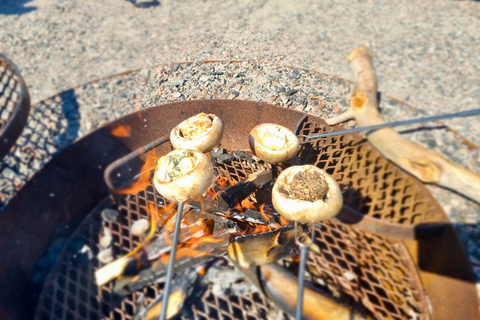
<point x="144" y="4"/>
<point x="11" y="7"/>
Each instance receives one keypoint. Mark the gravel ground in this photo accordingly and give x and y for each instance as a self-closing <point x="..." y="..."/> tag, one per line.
<point x="427" y="55"/>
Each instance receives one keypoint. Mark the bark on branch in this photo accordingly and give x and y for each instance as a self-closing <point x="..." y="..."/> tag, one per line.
<point x="426" y="165"/>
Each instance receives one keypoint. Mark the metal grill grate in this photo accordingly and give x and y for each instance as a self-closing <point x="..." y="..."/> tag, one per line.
<point x="52" y="125"/>
<point x="9" y="91"/>
<point x="370" y="271"/>
<point x="374" y="272"/>
<point x="370" y="183"/>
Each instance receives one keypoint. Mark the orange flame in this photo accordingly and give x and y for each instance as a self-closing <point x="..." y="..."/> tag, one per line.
<point x="285" y="222"/>
<point x="144" y="181"/>
<point x="121" y="131"/>
<point x="247" y="204"/>
<point x="264" y="215"/>
<point x="154" y="218"/>
<point x="261" y="229"/>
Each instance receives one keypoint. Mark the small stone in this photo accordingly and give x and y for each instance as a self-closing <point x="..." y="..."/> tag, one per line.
<point x="8" y="173"/>
<point x="106" y="240"/>
<point x="110" y="215"/>
<point x="176" y="83"/>
<point x="349" y="275"/>
<point x="161" y="80"/>
<point x="105" y="256"/>
<point x="139" y="227"/>
<point x="234" y="92"/>
<point x="86" y="250"/>
<point x="291" y="92"/>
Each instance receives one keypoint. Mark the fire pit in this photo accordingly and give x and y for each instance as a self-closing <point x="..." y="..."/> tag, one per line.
<point x="389" y="255"/>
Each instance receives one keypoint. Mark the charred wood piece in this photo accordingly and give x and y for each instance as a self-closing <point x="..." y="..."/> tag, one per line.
<point x="241" y="190"/>
<point x="254" y="250"/>
<point x="281" y="287"/>
<point x="183" y="286"/>
<point x="221" y="156"/>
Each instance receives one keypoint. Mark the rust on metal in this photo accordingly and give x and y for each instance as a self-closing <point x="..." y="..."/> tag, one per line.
<point x="359" y="264"/>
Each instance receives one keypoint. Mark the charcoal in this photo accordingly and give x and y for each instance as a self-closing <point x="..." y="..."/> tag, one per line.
<point x="221" y="156"/>
<point x="244" y="155"/>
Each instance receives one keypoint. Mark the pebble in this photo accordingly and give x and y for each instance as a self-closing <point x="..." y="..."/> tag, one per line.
<point x="349" y="275"/>
<point x="8" y="173"/>
<point x="86" y="250"/>
<point x="106" y="239"/>
<point x="140" y="227"/>
<point x="291" y="92"/>
<point x="105" y="256"/>
<point x="110" y="215"/>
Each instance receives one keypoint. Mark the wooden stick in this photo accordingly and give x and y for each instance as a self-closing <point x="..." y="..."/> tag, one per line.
<point x="426" y="165"/>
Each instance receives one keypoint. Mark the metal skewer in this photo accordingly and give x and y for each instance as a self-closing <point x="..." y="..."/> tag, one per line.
<point x="301" y="272"/>
<point x="467" y="113"/>
<point x="171" y="262"/>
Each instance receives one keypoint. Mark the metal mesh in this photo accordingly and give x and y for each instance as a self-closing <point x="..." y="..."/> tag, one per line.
<point x="372" y="271"/>
<point x="370" y="183"/>
<point x="9" y="91"/>
<point x="52" y="125"/>
<point x="248" y="307"/>
<point x="369" y="271"/>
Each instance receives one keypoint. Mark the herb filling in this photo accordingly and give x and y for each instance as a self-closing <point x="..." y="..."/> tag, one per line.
<point x="308" y="186"/>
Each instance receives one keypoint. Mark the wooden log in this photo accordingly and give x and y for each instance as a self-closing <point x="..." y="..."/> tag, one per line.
<point x="425" y="164"/>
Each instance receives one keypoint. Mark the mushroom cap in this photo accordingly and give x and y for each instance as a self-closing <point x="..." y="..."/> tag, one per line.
<point x="273" y="143"/>
<point x="193" y="177"/>
<point x="203" y="142"/>
<point x="303" y="210"/>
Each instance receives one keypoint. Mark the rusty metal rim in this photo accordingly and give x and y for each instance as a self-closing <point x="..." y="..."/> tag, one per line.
<point x="39" y="213"/>
<point x="15" y="124"/>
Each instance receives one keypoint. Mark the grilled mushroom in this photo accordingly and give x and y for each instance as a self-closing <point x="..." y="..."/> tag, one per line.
<point x="306" y="194"/>
<point x="183" y="174"/>
<point x="201" y="132"/>
<point x="273" y="142"/>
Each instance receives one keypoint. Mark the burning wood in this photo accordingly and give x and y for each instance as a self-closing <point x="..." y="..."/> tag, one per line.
<point x="185" y="283"/>
<point x="281" y="287"/>
<point x="264" y="248"/>
<point x="233" y="196"/>
<point x="258" y="238"/>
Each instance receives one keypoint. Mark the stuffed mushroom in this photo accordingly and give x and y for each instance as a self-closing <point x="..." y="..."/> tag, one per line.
<point x="306" y="194"/>
<point x="201" y="132"/>
<point x="273" y="143"/>
<point x="183" y="174"/>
